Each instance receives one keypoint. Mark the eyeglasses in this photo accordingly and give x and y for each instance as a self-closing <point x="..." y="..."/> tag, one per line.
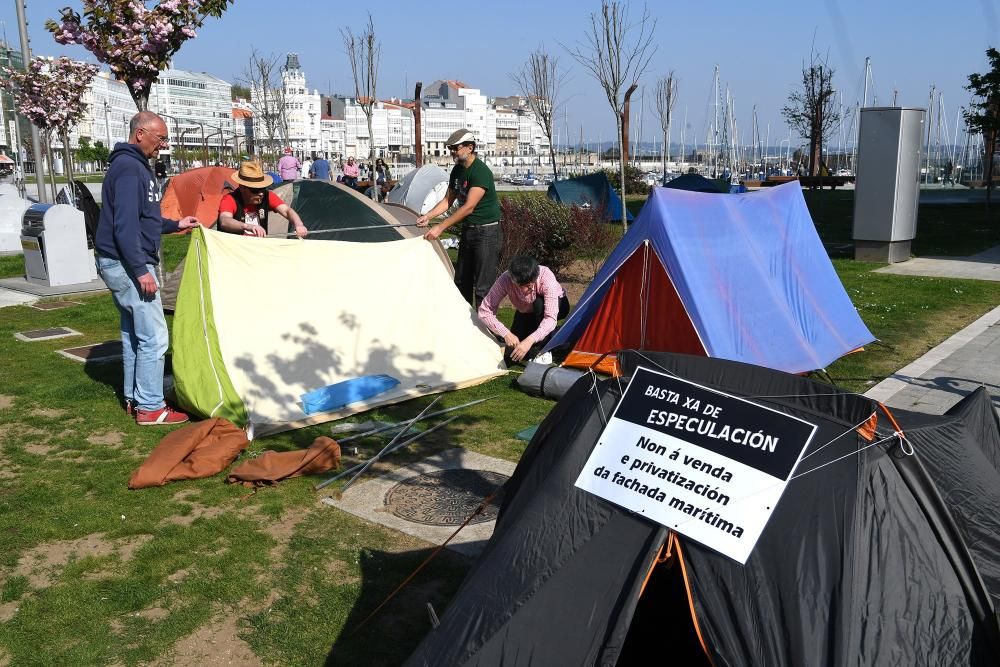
<point x="454" y="149"/>
<point x="161" y="137"/>
<point x="257" y="191"/>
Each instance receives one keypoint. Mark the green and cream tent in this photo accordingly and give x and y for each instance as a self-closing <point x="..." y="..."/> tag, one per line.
<point x="261" y="322"/>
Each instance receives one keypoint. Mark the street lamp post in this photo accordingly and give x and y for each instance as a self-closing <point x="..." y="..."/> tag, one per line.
<point x="22" y="26"/>
<point x="177" y="125"/>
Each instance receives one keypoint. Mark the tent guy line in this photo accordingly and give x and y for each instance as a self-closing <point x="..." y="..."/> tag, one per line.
<point x="337" y="231"/>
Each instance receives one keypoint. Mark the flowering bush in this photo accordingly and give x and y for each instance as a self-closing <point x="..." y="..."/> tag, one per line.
<point x="49" y="92"/>
<point x="136" y="42"/>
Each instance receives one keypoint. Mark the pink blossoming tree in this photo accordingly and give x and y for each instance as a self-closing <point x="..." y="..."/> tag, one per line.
<point x="49" y="92"/>
<point x="136" y="42"/>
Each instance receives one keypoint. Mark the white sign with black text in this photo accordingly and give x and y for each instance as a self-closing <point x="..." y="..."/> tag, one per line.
<point x="708" y="465"/>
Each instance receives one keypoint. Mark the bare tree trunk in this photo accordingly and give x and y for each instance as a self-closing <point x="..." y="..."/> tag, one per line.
<point x="418" y="135"/>
<point x="991" y="141"/>
<point x="47" y="155"/>
<point x="371" y="157"/>
<point x="71" y="189"/>
<point x="621" y="169"/>
<point x="625" y="118"/>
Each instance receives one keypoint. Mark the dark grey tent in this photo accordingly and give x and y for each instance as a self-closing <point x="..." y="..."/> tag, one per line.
<point x="695" y="183"/>
<point x="325" y="208"/>
<point x="593" y="190"/>
<point x="879" y="557"/>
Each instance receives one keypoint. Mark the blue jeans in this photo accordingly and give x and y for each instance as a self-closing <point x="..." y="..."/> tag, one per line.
<point x="144" y="334"/>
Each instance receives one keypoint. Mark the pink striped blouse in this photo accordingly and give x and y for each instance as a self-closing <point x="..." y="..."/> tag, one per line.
<point x="545" y="285"/>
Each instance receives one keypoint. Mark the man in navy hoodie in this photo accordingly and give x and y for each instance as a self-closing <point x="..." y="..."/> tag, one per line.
<point x="128" y="246"/>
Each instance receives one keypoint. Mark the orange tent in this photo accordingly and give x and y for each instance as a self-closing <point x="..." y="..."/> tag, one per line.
<point x="197" y="192"/>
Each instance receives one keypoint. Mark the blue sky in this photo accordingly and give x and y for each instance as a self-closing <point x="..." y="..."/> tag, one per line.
<point x="759" y="48"/>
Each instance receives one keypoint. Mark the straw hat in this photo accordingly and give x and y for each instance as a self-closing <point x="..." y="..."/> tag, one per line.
<point x="251" y="175"/>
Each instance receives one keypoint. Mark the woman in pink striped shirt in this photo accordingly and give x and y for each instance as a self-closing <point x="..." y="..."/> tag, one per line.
<point x="538" y="298"/>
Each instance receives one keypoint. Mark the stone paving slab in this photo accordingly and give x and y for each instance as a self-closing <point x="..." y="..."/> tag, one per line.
<point x="22" y="285"/>
<point x="952" y="370"/>
<point x="367" y="500"/>
<point x="9" y="297"/>
<point x="982" y="266"/>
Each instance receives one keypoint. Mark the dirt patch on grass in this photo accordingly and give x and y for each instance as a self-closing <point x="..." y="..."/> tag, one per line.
<point x="7" y="469"/>
<point x="48" y="413"/>
<point x="282" y="530"/>
<point x="179" y="576"/>
<point x="217" y="643"/>
<point x="6" y="401"/>
<point x="38" y="449"/>
<point x="7" y="612"/>
<point x="111" y="439"/>
<point x="197" y="512"/>
<point x="43" y="563"/>
<point x="153" y="614"/>
<point x="19" y="430"/>
<point x="341" y="572"/>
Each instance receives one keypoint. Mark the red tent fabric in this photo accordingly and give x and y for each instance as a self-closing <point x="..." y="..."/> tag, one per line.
<point x="641" y="310"/>
<point x="197" y="192"/>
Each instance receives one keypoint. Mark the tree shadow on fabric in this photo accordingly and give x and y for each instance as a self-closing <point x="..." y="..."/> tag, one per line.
<point x="395" y="630"/>
<point x="305" y="360"/>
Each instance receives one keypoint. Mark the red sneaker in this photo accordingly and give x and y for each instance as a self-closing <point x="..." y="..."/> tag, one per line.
<point x="165" y="416"/>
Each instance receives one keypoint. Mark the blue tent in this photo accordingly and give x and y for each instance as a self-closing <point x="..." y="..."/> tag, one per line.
<point x="741" y="277"/>
<point x="591" y="190"/>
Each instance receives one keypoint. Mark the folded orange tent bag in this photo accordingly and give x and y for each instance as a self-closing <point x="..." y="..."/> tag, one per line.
<point x="198" y="450"/>
<point x="272" y="467"/>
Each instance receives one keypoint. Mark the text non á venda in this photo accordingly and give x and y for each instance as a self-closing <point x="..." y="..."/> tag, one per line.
<point x="688" y="403"/>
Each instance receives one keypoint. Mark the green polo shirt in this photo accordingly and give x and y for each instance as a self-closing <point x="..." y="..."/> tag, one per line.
<point x="477" y="175"/>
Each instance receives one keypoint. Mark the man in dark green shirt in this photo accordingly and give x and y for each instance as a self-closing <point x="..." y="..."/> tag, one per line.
<point x="471" y="185"/>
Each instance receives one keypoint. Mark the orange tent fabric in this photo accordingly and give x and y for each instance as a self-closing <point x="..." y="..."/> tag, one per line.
<point x="622" y="322"/>
<point x="197" y="450"/>
<point x="197" y="192"/>
<point x="272" y="467"/>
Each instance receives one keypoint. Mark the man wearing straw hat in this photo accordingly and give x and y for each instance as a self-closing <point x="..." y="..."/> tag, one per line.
<point x="245" y="210"/>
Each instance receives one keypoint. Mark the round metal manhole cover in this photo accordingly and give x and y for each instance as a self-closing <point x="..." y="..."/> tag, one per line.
<point x="446" y="497"/>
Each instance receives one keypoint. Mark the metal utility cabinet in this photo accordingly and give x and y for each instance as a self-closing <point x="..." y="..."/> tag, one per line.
<point x="56" y="253"/>
<point x="888" y="188"/>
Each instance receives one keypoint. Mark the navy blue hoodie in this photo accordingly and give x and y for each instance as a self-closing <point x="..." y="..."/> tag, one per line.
<point x="130" y="225"/>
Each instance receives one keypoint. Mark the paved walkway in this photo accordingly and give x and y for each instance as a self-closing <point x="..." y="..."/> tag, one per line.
<point x="956" y="367"/>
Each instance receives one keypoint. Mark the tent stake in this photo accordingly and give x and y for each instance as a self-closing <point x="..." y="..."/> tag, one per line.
<point x="390" y="427"/>
<point x="375" y="458"/>
<point x="406" y="427"/>
<point x="396" y="448"/>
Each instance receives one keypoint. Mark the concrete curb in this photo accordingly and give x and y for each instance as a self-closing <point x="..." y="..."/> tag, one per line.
<point x="899" y="380"/>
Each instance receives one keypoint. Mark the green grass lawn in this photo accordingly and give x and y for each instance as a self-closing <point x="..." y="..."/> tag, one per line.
<point x="182" y="572"/>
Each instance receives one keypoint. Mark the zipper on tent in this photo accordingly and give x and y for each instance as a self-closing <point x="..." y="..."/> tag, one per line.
<point x="687" y="587"/>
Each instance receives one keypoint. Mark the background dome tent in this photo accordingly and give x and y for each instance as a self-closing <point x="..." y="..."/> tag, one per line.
<point x="696" y="183"/>
<point x="197" y="192"/>
<point x="593" y="190"/>
<point x="742" y="277"/>
<point x="420" y="189"/>
<point x="194" y="192"/>
<point x="877" y="558"/>
<point x="325" y="207"/>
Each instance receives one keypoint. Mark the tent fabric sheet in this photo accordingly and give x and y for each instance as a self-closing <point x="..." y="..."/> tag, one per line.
<point x="750" y="272"/>
<point x="262" y="321"/>
<point x="591" y="190"/>
<point x="420" y="189"/>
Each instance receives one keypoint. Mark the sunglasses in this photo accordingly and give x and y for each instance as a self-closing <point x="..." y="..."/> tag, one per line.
<point x="256" y="191"/>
